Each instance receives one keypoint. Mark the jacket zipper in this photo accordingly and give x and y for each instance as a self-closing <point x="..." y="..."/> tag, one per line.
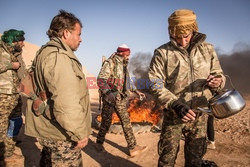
<point x="192" y="78"/>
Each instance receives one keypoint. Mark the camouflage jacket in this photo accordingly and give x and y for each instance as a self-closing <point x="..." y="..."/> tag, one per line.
<point x="9" y="77"/>
<point x="114" y="76"/>
<point x="58" y="71"/>
<point x="177" y="73"/>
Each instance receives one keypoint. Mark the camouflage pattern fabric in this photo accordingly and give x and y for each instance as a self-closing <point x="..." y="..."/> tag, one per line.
<point x="121" y="109"/>
<point x="10" y="78"/>
<point x="58" y="153"/>
<point x="7" y="104"/>
<point x="181" y="74"/>
<point x="114" y="76"/>
<point x="195" y="140"/>
<point x="177" y="73"/>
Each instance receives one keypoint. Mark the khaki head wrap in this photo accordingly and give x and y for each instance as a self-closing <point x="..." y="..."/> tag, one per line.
<point x="182" y="22"/>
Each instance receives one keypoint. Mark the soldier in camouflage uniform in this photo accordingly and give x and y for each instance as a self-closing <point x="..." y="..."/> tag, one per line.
<point x="113" y="82"/>
<point x="63" y="128"/>
<point x="12" y="70"/>
<point x="184" y="72"/>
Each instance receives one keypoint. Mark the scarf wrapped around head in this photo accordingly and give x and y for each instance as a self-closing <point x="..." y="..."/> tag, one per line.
<point x="12" y="35"/>
<point x="182" y="22"/>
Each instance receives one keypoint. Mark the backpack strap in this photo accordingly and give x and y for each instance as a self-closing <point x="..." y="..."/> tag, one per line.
<point x="112" y="65"/>
<point x="40" y="88"/>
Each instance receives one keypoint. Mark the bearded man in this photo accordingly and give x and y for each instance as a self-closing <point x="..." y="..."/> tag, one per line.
<point x="12" y="69"/>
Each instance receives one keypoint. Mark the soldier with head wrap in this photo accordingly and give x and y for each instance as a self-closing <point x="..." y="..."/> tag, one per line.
<point x="12" y="70"/>
<point x="112" y="81"/>
<point x="188" y="72"/>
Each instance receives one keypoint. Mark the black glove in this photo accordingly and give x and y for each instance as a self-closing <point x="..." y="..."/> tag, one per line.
<point x="181" y="109"/>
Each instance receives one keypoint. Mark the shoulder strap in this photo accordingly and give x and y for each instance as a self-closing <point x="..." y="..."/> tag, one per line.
<point x="112" y="65"/>
<point x="39" y="84"/>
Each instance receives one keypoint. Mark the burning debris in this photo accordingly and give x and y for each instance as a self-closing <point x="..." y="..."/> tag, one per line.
<point x="145" y="116"/>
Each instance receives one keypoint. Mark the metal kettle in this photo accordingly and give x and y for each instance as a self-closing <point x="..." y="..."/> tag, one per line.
<point x="225" y="103"/>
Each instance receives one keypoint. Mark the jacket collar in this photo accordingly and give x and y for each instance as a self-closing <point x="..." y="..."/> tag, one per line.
<point x="5" y="47"/>
<point x="196" y="40"/>
<point x="57" y="42"/>
<point x="118" y="58"/>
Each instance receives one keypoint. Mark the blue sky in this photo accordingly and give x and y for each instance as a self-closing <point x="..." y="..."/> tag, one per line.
<point x="141" y="24"/>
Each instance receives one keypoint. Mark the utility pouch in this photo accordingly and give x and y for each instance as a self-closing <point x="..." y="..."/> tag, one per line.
<point x="40" y="106"/>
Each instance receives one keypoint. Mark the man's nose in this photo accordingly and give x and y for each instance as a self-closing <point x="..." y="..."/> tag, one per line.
<point x="183" y="42"/>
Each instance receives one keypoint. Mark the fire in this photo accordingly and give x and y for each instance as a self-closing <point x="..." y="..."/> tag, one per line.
<point x="140" y="111"/>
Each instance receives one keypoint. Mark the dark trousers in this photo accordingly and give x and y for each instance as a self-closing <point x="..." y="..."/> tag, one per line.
<point x="210" y="128"/>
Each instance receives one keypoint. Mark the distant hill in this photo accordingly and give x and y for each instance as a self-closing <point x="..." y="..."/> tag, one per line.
<point x="29" y="52"/>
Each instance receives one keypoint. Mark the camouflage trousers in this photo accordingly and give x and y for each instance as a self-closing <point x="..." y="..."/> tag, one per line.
<point x="120" y="108"/>
<point x="7" y="104"/>
<point x="60" y="154"/>
<point x="195" y="140"/>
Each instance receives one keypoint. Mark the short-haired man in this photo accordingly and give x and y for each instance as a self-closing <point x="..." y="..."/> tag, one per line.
<point x="64" y="126"/>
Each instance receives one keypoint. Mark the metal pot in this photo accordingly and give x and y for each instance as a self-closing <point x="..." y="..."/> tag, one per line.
<point x="225" y="104"/>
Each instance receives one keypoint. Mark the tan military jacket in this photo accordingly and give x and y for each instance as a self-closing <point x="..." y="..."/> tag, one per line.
<point x="9" y="78"/>
<point x="180" y="74"/>
<point x="60" y="73"/>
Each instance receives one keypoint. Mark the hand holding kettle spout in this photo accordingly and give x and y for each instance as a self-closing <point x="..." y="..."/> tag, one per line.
<point x="226" y="102"/>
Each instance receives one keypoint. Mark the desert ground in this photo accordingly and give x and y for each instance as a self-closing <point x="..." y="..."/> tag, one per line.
<point x="232" y="141"/>
<point x="232" y="145"/>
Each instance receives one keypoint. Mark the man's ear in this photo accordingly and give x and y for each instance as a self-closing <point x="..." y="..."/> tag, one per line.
<point x="66" y="34"/>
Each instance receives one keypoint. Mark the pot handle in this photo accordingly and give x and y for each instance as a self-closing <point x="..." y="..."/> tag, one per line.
<point x="231" y="83"/>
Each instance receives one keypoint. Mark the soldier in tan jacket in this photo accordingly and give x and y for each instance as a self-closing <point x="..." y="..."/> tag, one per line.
<point x="64" y="127"/>
<point x="184" y="73"/>
<point x="12" y="70"/>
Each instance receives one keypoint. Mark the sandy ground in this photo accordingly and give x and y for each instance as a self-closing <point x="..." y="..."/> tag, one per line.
<point x="232" y="145"/>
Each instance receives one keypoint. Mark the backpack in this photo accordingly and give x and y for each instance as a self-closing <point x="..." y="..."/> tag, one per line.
<point x="28" y="88"/>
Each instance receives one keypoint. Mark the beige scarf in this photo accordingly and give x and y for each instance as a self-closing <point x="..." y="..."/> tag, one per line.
<point x="182" y="22"/>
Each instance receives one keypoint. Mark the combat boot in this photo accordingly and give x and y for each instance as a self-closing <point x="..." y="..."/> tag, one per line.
<point x="137" y="150"/>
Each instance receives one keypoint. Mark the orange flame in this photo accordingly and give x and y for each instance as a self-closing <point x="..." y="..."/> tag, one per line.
<point x="140" y="111"/>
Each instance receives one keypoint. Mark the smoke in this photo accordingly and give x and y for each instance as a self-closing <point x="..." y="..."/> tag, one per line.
<point x="138" y="65"/>
<point x="138" y="68"/>
<point x="236" y="65"/>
